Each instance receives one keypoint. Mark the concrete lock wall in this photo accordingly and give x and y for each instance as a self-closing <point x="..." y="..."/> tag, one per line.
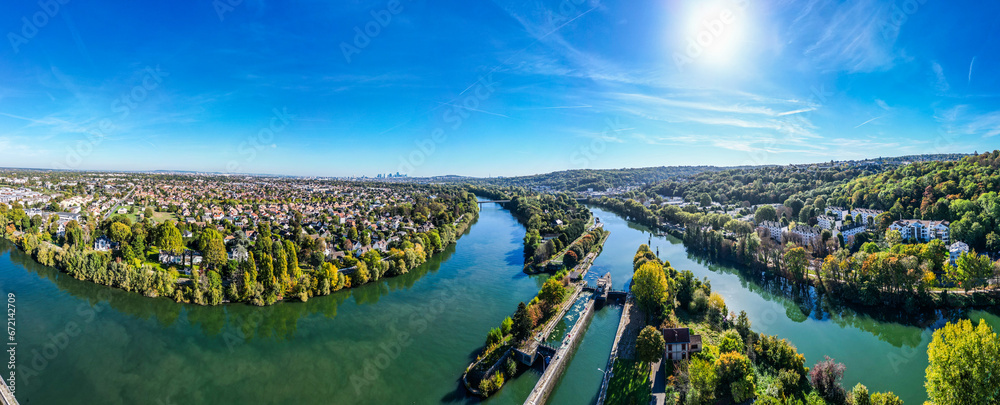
<point x="547" y="383"/>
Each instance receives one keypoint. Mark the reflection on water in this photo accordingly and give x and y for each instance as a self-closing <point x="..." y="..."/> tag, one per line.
<point x="276" y="322"/>
<point x="885" y="350"/>
<point x="404" y="337"/>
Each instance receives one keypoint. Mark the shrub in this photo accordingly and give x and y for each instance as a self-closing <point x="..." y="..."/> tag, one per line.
<point x="743" y="390"/>
<point x="825" y="377"/>
<point x="492" y="384"/>
<point x="731" y="342"/>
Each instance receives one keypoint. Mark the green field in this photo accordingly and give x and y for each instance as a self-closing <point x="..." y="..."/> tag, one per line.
<point x="158" y="217"/>
<point x="630" y="384"/>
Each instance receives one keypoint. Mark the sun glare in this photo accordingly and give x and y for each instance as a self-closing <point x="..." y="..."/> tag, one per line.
<point x="711" y="34"/>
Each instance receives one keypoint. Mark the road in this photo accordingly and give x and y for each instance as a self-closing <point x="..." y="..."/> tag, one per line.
<point x="118" y="203"/>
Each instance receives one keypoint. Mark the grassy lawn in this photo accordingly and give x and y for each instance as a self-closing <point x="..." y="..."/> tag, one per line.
<point x="630" y="384"/>
<point x="158" y="217"/>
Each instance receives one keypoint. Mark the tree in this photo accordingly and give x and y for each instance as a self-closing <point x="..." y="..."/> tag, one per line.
<point x="213" y="249"/>
<point x="716" y="308"/>
<point x="731" y="341"/>
<point x="825" y="377"/>
<point x="650" y="345"/>
<point x="795" y="205"/>
<point x="734" y="374"/>
<point x="506" y="325"/>
<point x="522" y="323"/>
<point x="973" y="268"/>
<point x="168" y="238"/>
<point x="215" y="293"/>
<point x="705" y="200"/>
<point x="795" y="262"/>
<point x="649" y="285"/>
<point x="571" y="259"/>
<point x="964" y="365"/>
<point x="765" y="213"/>
<point x="893" y="237"/>
<point x="704" y="381"/>
<point x="552" y="293"/>
<point x="119" y="232"/>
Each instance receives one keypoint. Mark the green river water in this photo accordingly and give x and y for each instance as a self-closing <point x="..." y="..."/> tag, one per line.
<point x="404" y="340"/>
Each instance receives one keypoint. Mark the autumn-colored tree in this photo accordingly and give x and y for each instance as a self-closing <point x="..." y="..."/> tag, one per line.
<point x="964" y="365"/>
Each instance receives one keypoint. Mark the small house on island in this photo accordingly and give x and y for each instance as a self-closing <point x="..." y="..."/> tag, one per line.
<point x="680" y="344"/>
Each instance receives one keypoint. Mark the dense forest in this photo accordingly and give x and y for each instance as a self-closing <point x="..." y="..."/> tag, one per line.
<point x="963" y="192"/>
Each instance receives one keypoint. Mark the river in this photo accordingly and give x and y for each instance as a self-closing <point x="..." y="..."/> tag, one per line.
<point x="403" y="340"/>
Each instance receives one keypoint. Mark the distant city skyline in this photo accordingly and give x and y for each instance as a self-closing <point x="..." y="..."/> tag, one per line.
<point x="497" y="88"/>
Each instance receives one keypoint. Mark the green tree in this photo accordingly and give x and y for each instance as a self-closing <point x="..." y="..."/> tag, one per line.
<point x="213" y="249"/>
<point x="522" y="323"/>
<point x="552" y="292"/>
<point x="506" y="325"/>
<point x="893" y="237"/>
<point x="973" y="268"/>
<point x="650" y="346"/>
<point x="704" y="381"/>
<point x="119" y="232"/>
<point x="731" y="341"/>
<point x="168" y="238"/>
<point x="795" y="262"/>
<point x="765" y="213"/>
<point x="649" y="285"/>
<point x="705" y="200"/>
<point x="795" y="205"/>
<point x="964" y="365"/>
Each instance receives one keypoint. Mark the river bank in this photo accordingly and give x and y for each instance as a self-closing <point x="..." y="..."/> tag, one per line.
<point x="406" y="336"/>
<point x="98" y="267"/>
<point x="890" y="345"/>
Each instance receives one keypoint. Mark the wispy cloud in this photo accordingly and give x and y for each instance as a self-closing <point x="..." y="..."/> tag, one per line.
<point x="868" y="122"/>
<point x="939" y="80"/>
<point x="856" y="36"/>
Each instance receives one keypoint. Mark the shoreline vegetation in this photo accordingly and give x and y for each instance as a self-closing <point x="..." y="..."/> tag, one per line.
<point x="552" y="222"/>
<point x="495" y="364"/>
<point x="871" y="272"/>
<point x="271" y="272"/>
<point x="734" y="364"/>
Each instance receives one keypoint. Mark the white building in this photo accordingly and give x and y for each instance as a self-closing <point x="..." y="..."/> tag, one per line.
<point x="922" y="231"/>
<point x="774" y="228"/>
<point x="849" y="231"/>
<point x="807" y="233"/>
<point x="955" y="250"/>
<point x="827" y="221"/>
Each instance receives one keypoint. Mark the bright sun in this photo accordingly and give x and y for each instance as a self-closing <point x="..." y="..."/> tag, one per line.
<point x="712" y="34"/>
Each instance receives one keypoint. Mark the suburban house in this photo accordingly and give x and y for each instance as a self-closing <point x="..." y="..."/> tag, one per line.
<point x="680" y="344"/>
<point x="102" y="244"/>
<point x="923" y="231"/>
<point x="239" y="255"/>
<point x="956" y="249"/>
<point x="187" y="257"/>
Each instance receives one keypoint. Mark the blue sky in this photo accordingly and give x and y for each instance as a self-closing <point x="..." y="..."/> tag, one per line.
<point x="497" y="87"/>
